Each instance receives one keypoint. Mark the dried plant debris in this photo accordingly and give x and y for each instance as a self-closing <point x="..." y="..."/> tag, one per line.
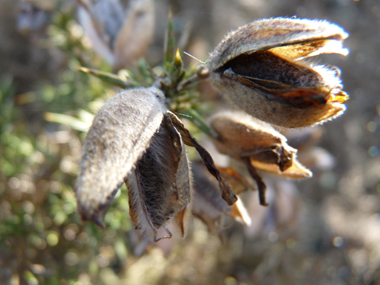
<point x="241" y="135"/>
<point x="121" y="36"/>
<point x="136" y="34"/>
<point x="209" y="206"/>
<point x="237" y="181"/>
<point x="257" y="145"/>
<point x="261" y="69"/>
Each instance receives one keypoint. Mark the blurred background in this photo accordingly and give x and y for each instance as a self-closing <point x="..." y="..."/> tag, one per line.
<point x="323" y="230"/>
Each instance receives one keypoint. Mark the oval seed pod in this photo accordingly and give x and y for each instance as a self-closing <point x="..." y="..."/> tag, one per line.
<point x="119" y="135"/>
<point x="258" y="145"/>
<point x="243" y="136"/>
<point x="259" y="68"/>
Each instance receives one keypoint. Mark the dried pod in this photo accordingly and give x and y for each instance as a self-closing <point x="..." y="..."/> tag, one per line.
<point x="101" y="21"/>
<point x="260" y="68"/>
<point x="135" y="139"/>
<point x="119" y="135"/>
<point x="208" y="205"/>
<point x="243" y="136"/>
<point x="135" y="35"/>
<point x="159" y="187"/>
<point x="238" y="182"/>
<point x="258" y="145"/>
<point x="121" y="36"/>
<point x="296" y="171"/>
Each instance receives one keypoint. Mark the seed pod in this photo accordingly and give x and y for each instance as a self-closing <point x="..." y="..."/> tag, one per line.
<point x="121" y="36"/>
<point x="296" y="171"/>
<point x="135" y="35"/>
<point x="208" y="206"/>
<point x="258" y="145"/>
<point x="160" y="185"/>
<point x="119" y="135"/>
<point x="135" y="139"/>
<point x="243" y="136"/>
<point x="259" y="68"/>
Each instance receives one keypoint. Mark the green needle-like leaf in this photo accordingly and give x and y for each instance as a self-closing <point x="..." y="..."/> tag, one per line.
<point x="107" y="77"/>
<point x="196" y="118"/>
<point x="169" y="47"/>
<point x="67" y="120"/>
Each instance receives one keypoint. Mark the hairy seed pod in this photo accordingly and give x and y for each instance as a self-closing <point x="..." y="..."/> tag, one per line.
<point x="160" y="185"/>
<point x="135" y="139"/>
<point x="260" y="69"/>
<point x="119" y="135"/>
<point x="243" y="136"/>
<point x="258" y="145"/>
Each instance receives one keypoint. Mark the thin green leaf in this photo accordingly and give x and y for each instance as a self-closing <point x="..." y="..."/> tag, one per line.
<point x="67" y="120"/>
<point x="107" y="77"/>
<point x="169" y="47"/>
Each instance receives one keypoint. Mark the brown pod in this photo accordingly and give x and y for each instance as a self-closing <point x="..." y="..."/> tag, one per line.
<point x="120" y="35"/>
<point x="258" y="145"/>
<point x="260" y="69"/>
<point x="159" y="187"/>
<point x="119" y="135"/>
<point x="135" y="139"/>
<point x="241" y="135"/>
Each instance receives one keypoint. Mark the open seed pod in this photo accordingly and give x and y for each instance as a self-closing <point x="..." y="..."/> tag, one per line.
<point x="159" y="187"/>
<point x="260" y="69"/>
<point x="119" y="135"/>
<point x="135" y="139"/>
